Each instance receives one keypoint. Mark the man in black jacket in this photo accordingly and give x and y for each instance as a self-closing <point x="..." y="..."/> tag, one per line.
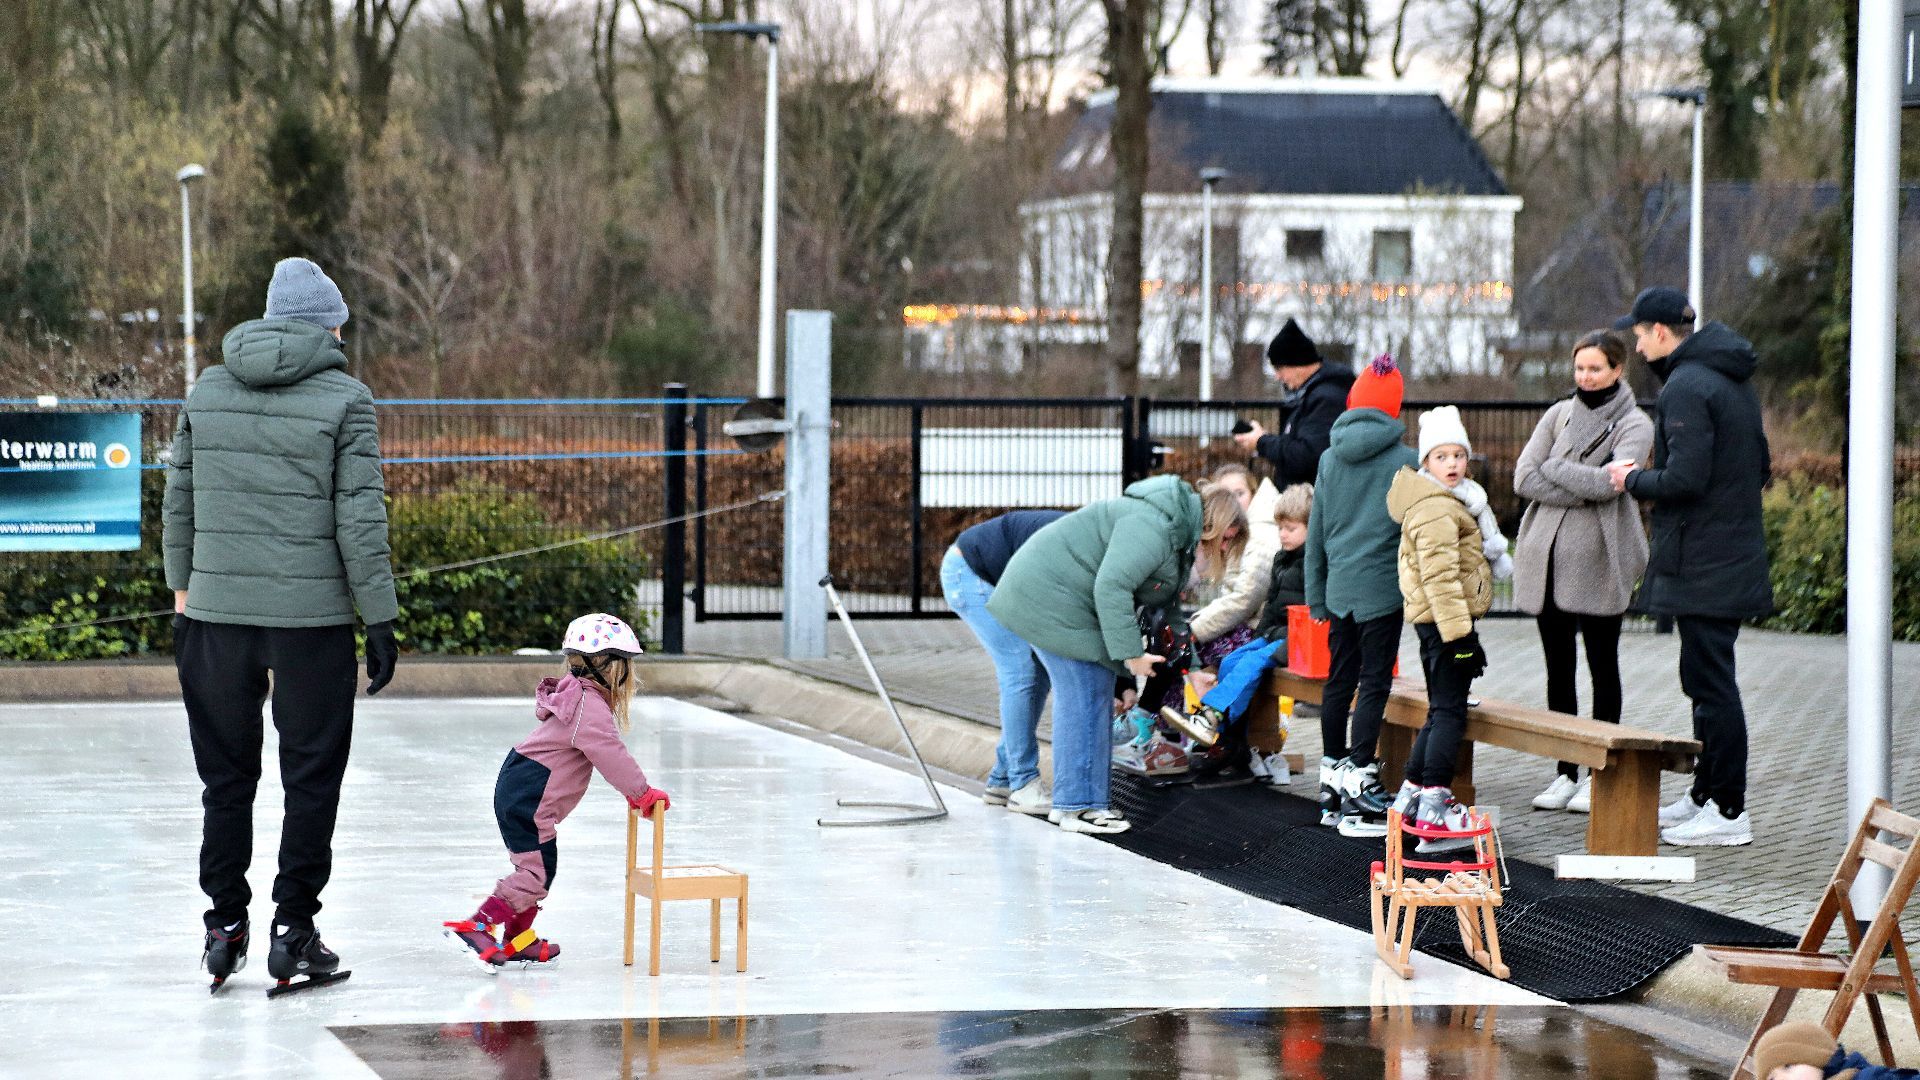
<point x="1708" y="566"/>
<point x="1316" y="396"/>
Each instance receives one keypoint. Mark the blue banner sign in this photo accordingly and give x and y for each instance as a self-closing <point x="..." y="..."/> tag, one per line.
<point x="69" y="481"/>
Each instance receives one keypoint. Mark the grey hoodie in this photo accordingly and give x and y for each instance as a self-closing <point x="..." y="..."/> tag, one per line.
<point x="275" y="511"/>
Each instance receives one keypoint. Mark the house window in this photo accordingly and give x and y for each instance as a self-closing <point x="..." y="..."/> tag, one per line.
<point x="1306" y="245"/>
<point x="1392" y="254"/>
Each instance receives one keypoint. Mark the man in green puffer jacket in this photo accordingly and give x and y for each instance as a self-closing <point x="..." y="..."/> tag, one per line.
<point x="1071" y="592"/>
<point x="275" y="531"/>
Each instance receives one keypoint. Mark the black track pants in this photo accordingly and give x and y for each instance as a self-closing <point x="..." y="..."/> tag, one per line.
<point x="1719" y="721"/>
<point x="224" y="672"/>
<point x="1359" y="655"/>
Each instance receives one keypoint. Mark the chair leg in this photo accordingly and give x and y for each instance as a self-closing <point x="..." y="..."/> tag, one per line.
<point x="630" y="898"/>
<point x="653" y="963"/>
<point x="1776" y="1012"/>
<point x="716" y="932"/>
<point x="740" y="931"/>
<point x="1880" y="1029"/>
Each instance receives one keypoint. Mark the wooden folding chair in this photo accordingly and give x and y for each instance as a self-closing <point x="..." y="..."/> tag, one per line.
<point x="1471" y="889"/>
<point x="1806" y="967"/>
<point x="662" y="883"/>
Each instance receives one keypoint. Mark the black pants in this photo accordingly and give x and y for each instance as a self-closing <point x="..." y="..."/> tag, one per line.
<point x="1719" y="722"/>
<point x="1359" y="655"/>
<point x="224" y="679"/>
<point x="1601" y="635"/>
<point x="1437" y="748"/>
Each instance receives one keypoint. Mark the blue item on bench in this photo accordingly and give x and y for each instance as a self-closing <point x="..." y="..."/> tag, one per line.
<point x="1241" y="672"/>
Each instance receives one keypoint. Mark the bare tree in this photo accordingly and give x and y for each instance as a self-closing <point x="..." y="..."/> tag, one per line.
<point x="376" y="27"/>
<point x="604" y="43"/>
<point x="1128" y="23"/>
<point x="500" y="32"/>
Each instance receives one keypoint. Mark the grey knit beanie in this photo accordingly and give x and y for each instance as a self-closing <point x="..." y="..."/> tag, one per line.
<point x="301" y="290"/>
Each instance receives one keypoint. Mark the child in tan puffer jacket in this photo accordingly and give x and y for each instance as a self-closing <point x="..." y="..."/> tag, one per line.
<point x="1447" y="583"/>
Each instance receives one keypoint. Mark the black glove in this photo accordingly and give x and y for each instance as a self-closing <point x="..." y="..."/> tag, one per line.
<point x="382" y="654"/>
<point x="1466" y="655"/>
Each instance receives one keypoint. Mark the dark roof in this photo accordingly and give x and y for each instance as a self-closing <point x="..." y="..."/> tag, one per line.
<point x="1289" y="139"/>
<point x="1640" y="238"/>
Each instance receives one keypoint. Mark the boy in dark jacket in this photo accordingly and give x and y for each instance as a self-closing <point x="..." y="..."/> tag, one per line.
<point x="1353" y="580"/>
<point x="1242" y="670"/>
<point x="1708" y="564"/>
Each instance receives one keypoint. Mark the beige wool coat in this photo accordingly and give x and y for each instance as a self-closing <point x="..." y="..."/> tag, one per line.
<point x="1444" y="576"/>
<point x="1591" y="533"/>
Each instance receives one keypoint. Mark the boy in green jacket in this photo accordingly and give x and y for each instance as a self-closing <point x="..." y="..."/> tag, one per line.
<point x="1353" y="580"/>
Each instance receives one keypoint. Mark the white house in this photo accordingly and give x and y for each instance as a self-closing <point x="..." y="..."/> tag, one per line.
<point x="1362" y="208"/>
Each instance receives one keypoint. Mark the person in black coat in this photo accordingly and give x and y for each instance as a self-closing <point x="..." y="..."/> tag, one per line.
<point x="1316" y="396"/>
<point x="1708" y="564"/>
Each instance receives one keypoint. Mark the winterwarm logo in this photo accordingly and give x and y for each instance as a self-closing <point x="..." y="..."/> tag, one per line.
<point x="118" y="456"/>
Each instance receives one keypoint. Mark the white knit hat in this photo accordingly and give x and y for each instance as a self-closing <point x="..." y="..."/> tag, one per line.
<point x="1442" y="427"/>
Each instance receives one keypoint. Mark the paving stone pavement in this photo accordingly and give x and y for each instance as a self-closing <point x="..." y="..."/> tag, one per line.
<point x="1794" y="688"/>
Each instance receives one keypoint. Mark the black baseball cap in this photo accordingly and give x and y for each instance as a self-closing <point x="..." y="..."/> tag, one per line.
<point x="1659" y="304"/>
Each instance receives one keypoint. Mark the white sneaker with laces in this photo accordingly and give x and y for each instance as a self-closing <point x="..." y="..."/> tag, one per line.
<point x="1680" y="811"/>
<point x="1557" y="795"/>
<point x="1711" y="828"/>
<point x="1101" y="822"/>
<point x="1031" y="799"/>
<point x="1582" y="801"/>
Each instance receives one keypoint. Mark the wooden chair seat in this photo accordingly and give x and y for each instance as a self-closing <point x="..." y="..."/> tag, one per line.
<point x="1783" y="967"/>
<point x="660" y="883"/>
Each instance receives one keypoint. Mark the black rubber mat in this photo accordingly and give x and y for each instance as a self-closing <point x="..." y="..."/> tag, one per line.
<point x="1570" y="940"/>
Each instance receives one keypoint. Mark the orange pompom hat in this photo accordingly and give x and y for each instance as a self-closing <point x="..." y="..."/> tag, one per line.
<point x="1379" y="386"/>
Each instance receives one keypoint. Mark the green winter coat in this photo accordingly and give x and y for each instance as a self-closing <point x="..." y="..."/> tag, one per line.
<point x="1353" y="546"/>
<point x="1073" y="588"/>
<point x="275" y="511"/>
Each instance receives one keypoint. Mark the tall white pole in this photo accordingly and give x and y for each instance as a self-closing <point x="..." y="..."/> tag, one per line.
<point x="1876" y="175"/>
<point x="186" y="285"/>
<point x="769" y="208"/>
<point x="1206" y="292"/>
<point x="1696" y="224"/>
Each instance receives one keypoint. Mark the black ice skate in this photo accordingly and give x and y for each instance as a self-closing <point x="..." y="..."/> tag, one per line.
<point x="299" y="954"/>
<point x="225" y="953"/>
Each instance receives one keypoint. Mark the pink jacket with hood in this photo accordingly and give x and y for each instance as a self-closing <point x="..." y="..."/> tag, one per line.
<point x="577" y="734"/>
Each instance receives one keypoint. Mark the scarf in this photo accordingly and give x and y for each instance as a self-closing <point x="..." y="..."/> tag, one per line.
<point x="1593" y="399"/>
<point x="1492" y="544"/>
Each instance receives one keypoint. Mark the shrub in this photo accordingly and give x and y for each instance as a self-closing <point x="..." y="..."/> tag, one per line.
<point x="1806" y="525"/>
<point x="45" y="589"/>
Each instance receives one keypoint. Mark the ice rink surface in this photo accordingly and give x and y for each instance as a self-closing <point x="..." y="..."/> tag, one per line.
<point x="983" y="911"/>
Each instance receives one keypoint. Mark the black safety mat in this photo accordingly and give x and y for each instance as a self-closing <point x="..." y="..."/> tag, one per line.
<point x="1570" y="940"/>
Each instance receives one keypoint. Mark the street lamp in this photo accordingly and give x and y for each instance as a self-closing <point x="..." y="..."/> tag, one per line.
<point x="186" y="177"/>
<point x="1208" y="178"/>
<point x="769" y="184"/>
<point x="1696" y="97"/>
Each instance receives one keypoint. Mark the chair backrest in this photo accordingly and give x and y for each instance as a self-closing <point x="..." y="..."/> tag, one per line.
<point x="1885" y="837"/>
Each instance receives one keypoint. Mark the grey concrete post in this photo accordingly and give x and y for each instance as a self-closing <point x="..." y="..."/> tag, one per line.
<point x="803" y="620"/>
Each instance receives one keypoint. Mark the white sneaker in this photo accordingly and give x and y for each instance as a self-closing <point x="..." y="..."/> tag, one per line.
<point x="995" y="796"/>
<point x="1099" y="822"/>
<point x="1582" y="801"/>
<point x="1711" y="828"/>
<point x="1257" y="765"/>
<point x="1557" y="795"/>
<point x="1279" y="773"/>
<point x="1680" y="811"/>
<point x="1031" y="799"/>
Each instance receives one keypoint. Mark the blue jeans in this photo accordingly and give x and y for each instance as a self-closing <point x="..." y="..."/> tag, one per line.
<point x="1023" y="682"/>
<point x="1240" y="673"/>
<point x="1082" y="751"/>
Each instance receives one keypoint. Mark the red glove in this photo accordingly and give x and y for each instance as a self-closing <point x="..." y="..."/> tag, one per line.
<point x="650" y="798"/>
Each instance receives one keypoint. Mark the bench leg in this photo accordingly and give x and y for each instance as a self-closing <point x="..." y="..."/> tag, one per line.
<point x="1626" y="805"/>
<point x="1395" y="747"/>
<point x="1463" y="774"/>
<point x="1263" y="721"/>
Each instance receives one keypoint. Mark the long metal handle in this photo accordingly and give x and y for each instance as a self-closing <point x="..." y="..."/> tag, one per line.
<point x="917" y="812"/>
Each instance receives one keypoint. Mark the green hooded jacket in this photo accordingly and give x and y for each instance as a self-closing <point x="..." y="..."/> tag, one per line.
<point x="1353" y="545"/>
<point x="1073" y="588"/>
<point x="275" y="512"/>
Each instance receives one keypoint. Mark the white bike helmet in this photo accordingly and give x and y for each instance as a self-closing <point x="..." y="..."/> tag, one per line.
<point x="600" y="634"/>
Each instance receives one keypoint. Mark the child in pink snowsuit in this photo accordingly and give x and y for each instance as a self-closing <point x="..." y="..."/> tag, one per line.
<point x="582" y="715"/>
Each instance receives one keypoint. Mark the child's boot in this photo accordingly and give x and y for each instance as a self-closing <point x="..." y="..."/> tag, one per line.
<point x="1438" y="809"/>
<point x="478" y="937"/>
<point x="1201" y="725"/>
<point x="524" y="948"/>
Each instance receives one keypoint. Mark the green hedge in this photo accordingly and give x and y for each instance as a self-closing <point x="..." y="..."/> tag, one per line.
<point x="1807" y="540"/>
<point x="491" y="608"/>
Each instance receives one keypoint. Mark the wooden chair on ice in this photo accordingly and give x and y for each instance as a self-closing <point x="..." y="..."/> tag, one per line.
<point x="662" y="883"/>
<point x="1886" y="837"/>
<point x="1471" y="889"/>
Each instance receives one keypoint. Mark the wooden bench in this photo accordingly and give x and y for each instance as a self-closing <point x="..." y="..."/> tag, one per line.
<point x="1626" y="762"/>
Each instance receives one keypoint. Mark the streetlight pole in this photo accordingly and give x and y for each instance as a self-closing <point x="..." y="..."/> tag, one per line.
<point x="1208" y="178"/>
<point x="1696" y="217"/>
<point x="769" y="188"/>
<point x="185" y="177"/>
<point x="1876" y="227"/>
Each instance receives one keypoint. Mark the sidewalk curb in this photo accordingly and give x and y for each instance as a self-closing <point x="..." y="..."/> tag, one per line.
<point x="1686" y="995"/>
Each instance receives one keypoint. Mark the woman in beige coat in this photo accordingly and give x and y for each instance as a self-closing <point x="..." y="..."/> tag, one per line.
<point x="1581" y="548"/>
